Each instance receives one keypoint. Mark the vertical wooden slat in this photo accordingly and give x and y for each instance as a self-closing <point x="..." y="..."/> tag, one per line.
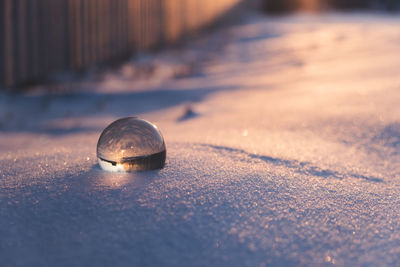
<point x="116" y="28"/>
<point x="34" y="38"/>
<point x="130" y="5"/>
<point x="156" y="22"/>
<point x="29" y="40"/>
<point x="117" y="19"/>
<point x="43" y="36"/>
<point x="2" y="46"/>
<point x="80" y="28"/>
<point x="152" y="30"/>
<point x="125" y="25"/>
<point x="72" y="21"/>
<point x="110" y="36"/>
<point x="160" y="19"/>
<point x="66" y="39"/>
<point x="99" y="41"/>
<point x="144" y="23"/>
<point x="85" y="34"/>
<point x="50" y="25"/>
<point x="22" y="41"/>
<point x="8" y="43"/>
<point x="143" y="20"/>
<point x="139" y="25"/>
<point x="56" y="35"/>
<point x="93" y="32"/>
<point x="148" y="23"/>
<point x="123" y="28"/>
<point x="147" y="32"/>
<point x="112" y="29"/>
<point x="16" y="44"/>
<point x="135" y="24"/>
<point x="105" y="31"/>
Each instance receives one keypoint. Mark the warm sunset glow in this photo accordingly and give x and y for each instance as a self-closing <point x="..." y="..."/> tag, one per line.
<point x="277" y="140"/>
<point x="309" y="5"/>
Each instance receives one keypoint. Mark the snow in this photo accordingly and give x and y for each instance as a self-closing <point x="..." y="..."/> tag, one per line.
<point x="282" y="136"/>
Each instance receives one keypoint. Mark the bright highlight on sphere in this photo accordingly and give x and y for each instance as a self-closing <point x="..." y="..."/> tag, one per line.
<point x="131" y="144"/>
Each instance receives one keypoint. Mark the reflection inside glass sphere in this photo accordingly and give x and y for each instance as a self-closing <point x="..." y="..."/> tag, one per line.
<point x="131" y="144"/>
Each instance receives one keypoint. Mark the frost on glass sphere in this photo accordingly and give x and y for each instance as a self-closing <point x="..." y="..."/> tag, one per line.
<point x="131" y="144"/>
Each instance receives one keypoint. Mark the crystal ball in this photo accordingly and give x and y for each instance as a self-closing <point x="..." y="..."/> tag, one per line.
<point x="131" y="144"/>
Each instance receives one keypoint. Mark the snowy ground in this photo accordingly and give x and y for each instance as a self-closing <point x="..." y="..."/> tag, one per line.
<point x="292" y="155"/>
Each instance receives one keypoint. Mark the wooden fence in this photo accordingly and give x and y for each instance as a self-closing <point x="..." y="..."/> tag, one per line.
<point x="40" y="37"/>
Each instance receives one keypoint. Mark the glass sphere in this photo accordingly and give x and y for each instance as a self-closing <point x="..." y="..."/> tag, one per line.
<point x="131" y="144"/>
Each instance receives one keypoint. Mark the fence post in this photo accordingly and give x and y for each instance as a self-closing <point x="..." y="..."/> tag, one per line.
<point x="38" y="37"/>
<point x="8" y="44"/>
<point x="2" y="40"/>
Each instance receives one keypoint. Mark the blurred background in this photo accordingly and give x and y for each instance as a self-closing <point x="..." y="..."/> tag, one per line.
<point x="276" y="6"/>
<point x="41" y="37"/>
